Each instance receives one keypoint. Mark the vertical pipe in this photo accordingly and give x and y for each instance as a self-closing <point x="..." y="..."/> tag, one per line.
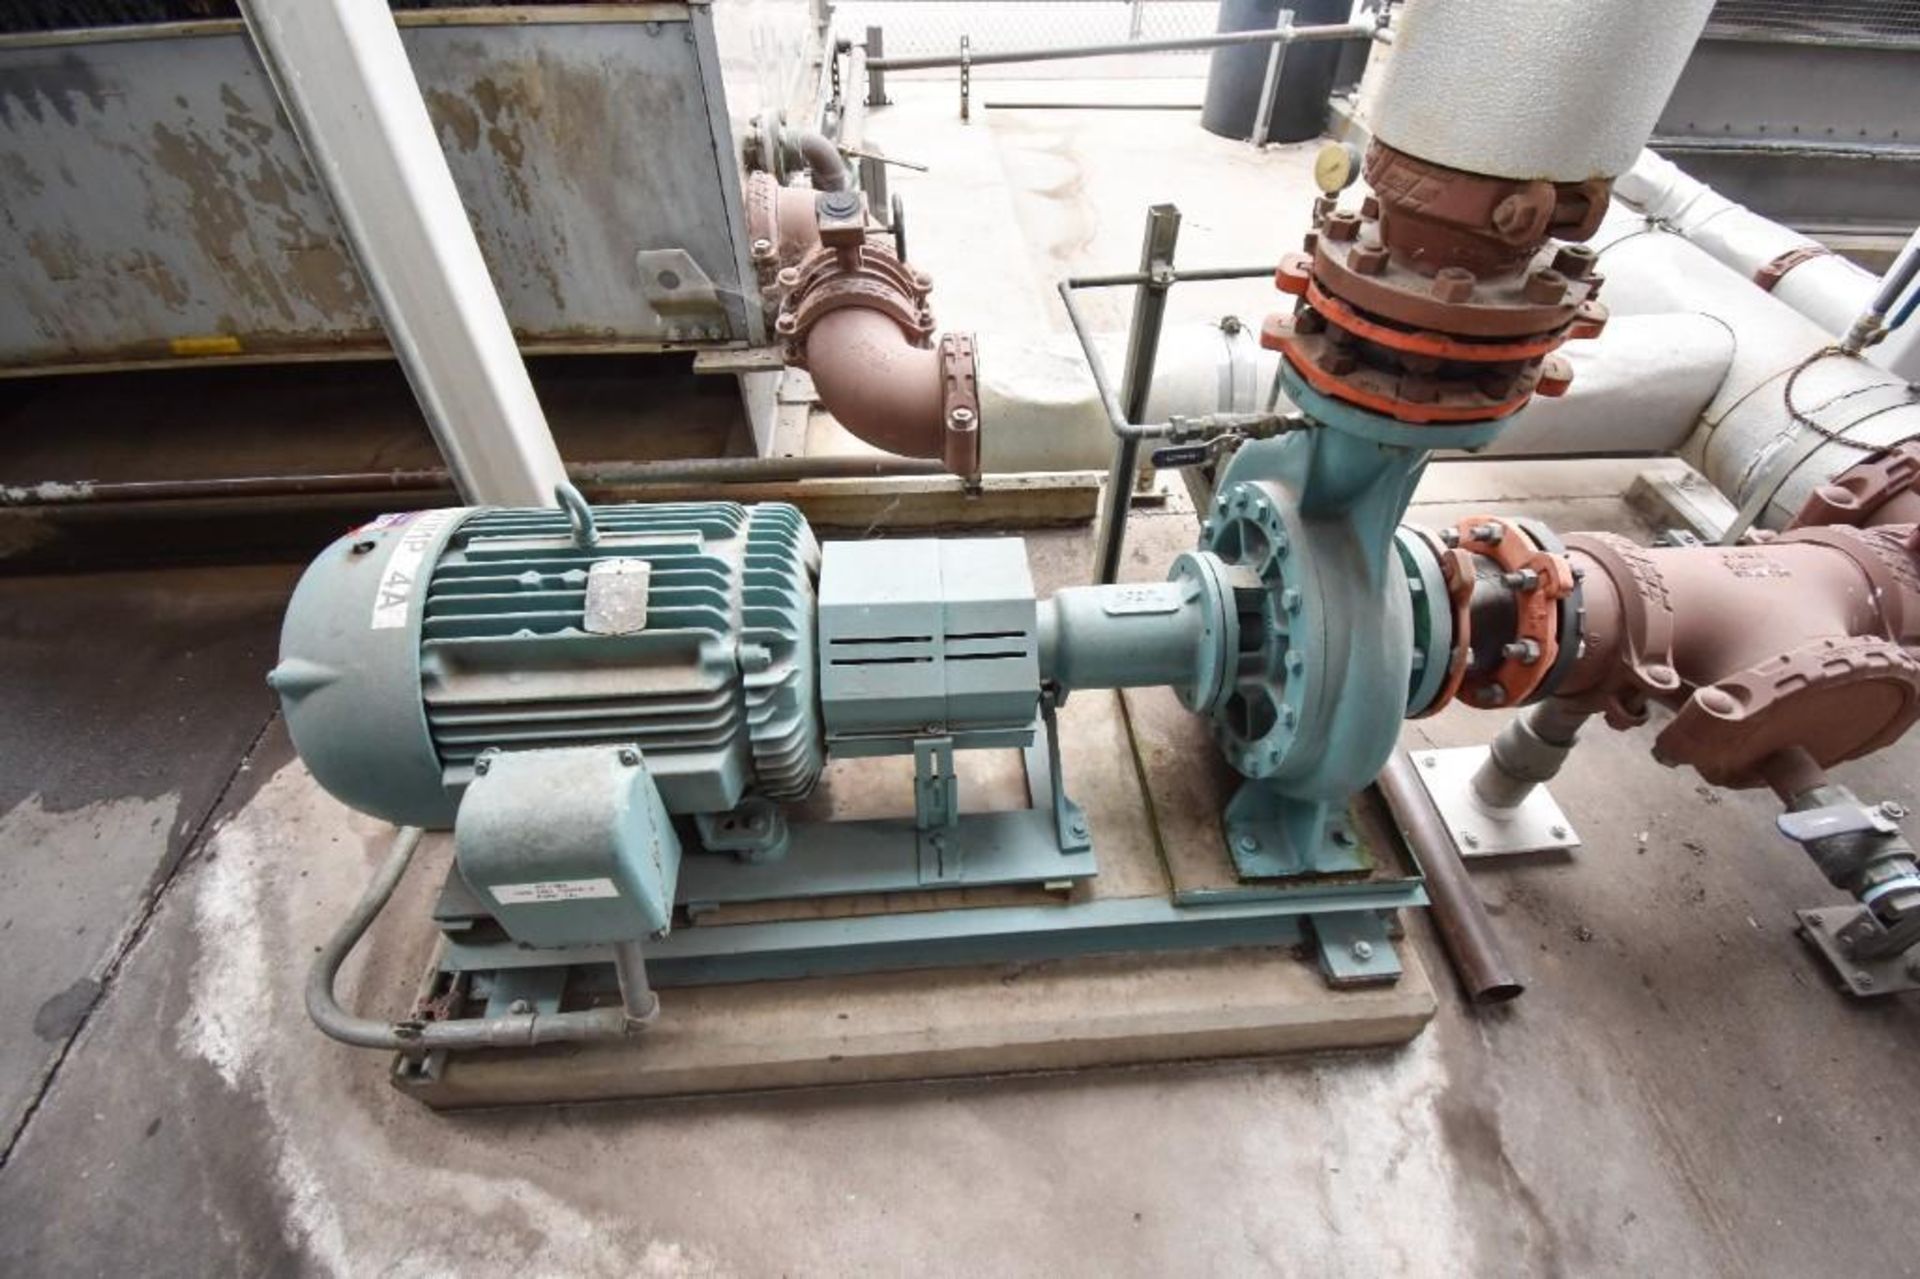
<point x="1143" y="344"/>
<point x="342" y="75"/>
<point x="637" y="999"/>
<point x="876" y="77"/>
<point x="1263" y="117"/>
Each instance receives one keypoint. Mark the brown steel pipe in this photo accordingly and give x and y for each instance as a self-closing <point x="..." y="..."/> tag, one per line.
<point x="1466" y="930"/>
<point x="876" y="383"/>
<point x="1809" y="641"/>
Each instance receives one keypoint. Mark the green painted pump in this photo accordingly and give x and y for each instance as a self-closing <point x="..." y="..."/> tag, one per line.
<point x="585" y="694"/>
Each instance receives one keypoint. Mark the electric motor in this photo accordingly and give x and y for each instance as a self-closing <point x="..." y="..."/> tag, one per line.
<point x="417" y="643"/>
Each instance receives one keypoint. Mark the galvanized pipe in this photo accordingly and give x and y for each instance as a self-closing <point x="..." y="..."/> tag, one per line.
<point x="1466" y="930"/>
<point x="1143" y="344"/>
<point x="722" y="470"/>
<point x="415" y="1037"/>
<point x="1183" y="44"/>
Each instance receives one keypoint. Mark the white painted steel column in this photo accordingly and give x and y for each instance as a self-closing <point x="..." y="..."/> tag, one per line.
<point x="345" y="82"/>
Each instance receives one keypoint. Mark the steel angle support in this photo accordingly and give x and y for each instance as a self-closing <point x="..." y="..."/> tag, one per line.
<point x="343" y="76"/>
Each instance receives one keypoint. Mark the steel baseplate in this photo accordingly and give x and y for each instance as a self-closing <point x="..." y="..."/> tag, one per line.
<point x="1536" y="825"/>
<point x="1829" y="930"/>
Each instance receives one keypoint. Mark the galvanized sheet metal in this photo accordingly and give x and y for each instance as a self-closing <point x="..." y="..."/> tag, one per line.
<point x="157" y="204"/>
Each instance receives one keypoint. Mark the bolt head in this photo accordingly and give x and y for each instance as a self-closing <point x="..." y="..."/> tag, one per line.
<point x="1894" y="811"/>
<point x="762" y="248"/>
<point x="1341" y="224"/>
<point x="1247" y="843"/>
<point x="1368" y="259"/>
<point x="1545" y="288"/>
<point x="1575" y="261"/>
<point x="1558" y="832"/>
<point x="1362" y="950"/>
<point x="520" y="1008"/>
<point x="629" y="756"/>
<point x="1290" y="599"/>
<point x="1452" y="284"/>
<point x="1469" y="840"/>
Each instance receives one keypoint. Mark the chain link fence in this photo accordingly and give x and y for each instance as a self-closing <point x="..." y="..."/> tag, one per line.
<point x="917" y="27"/>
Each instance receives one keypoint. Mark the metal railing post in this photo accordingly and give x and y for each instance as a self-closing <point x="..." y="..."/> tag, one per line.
<point x="1143" y="345"/>
<point x="1269" y="87"/>
<point x="876" y="77"/>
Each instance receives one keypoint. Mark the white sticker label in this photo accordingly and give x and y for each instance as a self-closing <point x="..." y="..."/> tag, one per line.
<point x="403" y="575"/>
<point x="553" y="890"/>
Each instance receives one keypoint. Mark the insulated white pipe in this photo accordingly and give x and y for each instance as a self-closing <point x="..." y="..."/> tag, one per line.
<point x="1564" y="90"/>
<point x="1639" y="387"/>
<point x="1823" y="286"/>
<point x="1789" y="414"/>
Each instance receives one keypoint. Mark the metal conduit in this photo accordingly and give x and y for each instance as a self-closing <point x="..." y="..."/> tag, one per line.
<point x="412" y="1036"/>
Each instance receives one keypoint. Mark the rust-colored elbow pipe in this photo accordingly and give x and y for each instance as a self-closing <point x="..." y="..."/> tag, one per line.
<point x="877" y="383"/>
<point x="851" y="313"/>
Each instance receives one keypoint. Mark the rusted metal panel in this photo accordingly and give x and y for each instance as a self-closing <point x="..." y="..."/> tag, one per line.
<point x="157" y="206"/>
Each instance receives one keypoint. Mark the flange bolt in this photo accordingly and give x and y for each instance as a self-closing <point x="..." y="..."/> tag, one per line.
<point x="1524" y="651"/>
<point x="1453" y="284"/>
<point x="1575" y="261"/>
<point x="1368" y="259"/>
<point x="1524" y="579"/>
<point x="1546" y="288"/>
<point x="1342" y="224"/>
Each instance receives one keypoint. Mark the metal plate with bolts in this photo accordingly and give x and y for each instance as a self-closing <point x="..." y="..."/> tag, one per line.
<point x="1536" y="826"/>
<point x="1825" y="930"/>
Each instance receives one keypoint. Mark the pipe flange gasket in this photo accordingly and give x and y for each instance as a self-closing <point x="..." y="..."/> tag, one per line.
<point x="1512" y="547"/>
<point x="1412" y="398"/>
<point x="1448" y="614"/>
<point x="1591" y="318"/>
<point x="1573" y="612"/>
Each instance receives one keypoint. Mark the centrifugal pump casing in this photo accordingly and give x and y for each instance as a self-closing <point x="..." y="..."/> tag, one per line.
<point x="423" y="639"/>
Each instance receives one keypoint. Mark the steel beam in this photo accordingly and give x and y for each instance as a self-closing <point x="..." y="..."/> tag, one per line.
<point x="343" y="77"/>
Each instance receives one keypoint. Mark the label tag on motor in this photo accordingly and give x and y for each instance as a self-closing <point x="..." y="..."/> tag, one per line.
<point x="403" y="575"/>
<point x="553" y="890"/>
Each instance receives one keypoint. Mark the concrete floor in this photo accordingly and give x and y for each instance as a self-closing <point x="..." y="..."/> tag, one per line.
<point x="1679" y="1092"/>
